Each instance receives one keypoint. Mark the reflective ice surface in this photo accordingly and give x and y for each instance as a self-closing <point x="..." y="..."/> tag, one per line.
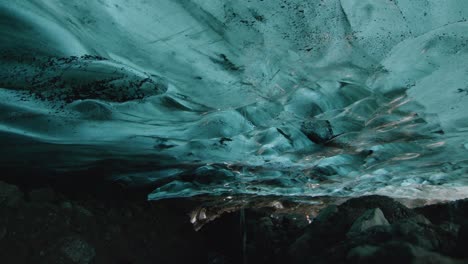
<point x="225" y="97"/>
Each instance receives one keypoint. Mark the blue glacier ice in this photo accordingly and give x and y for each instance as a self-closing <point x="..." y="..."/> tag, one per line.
<point x="286" y="98"/>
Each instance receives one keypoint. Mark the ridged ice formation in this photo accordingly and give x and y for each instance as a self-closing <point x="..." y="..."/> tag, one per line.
<point x="277" y="97"/>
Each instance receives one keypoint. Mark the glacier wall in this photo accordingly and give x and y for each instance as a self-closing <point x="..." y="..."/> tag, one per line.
<point x="226" y="97"/>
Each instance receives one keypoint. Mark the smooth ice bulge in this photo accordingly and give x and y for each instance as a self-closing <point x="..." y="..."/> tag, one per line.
<point x="289" y="98"/>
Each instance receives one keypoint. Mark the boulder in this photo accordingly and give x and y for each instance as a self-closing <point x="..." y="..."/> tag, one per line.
<point x="453" y="212"/>
<point x="42" y="195"/>
<point x="428" y="237"/>
<point x="370" y="218"/>
<point x="77" y="250"/>
<point x="360" y="253"/>
<point x="3" y="232"/>
<point x="462" y="241"/>
<point x="392" y="209"/>
<point x="326" y="213"/>
<point x="10" y="195"/>
<point x="397" y="252"/>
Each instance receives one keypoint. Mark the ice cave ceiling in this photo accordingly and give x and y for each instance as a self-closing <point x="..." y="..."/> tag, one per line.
<point x="226" y="97"/>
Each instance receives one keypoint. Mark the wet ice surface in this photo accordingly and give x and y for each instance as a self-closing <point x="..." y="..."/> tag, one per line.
<point x="288" y="98"/>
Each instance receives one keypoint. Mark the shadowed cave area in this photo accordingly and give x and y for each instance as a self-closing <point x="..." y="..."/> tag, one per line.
<point x="233" y="131"/>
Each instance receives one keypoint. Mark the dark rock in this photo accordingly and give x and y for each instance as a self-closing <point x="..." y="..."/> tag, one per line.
<point x="300" y="249"/>
<point x="326" y="213"/>
<point x="359" y="232"/>
<point x="420" y="219"/>
<point x="396" y="252"/>
<point x="450" y="227"/>
<point x="410" y="230"/>
<point x="42" y="195"/>
<point x="77" y="250"/>
<point x="320" y="236"/>
<point x="82" y="212"/>
<point x="416" y="234"/>
<point x="361" y="253"/>
<point x="455" y="212"/>
<point x="370" y="218"/>
<point x="10" y="195"/>
<point x="375" y="235"/>
<point x="66" y="205"/>
<point x="3" y="232"/>
<point x="14" y="252"/>
<point x="90" y="230"/>
<point x="462" y="242"/>
<point x="392" y="209"/>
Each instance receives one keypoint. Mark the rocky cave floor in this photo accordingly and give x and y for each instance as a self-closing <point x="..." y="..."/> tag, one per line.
<point x="45" y="225"/>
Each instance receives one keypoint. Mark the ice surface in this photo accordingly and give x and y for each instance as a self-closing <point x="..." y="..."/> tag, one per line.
<point x="289" y="98"/>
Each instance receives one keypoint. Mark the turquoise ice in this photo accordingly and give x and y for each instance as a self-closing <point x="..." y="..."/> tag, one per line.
<point x="227" y="97"/>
